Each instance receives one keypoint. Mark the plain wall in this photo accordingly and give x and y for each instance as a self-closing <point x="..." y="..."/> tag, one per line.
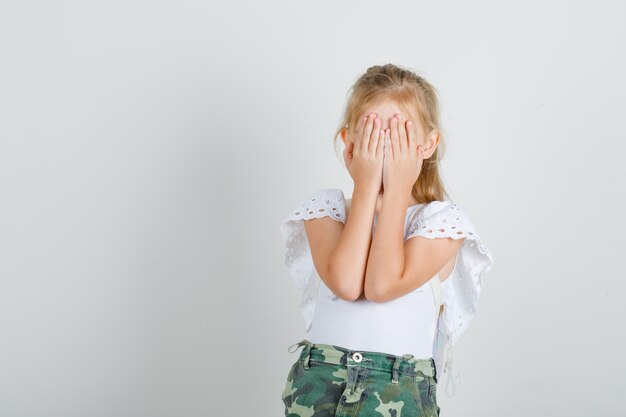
<point x="150" y="149"/>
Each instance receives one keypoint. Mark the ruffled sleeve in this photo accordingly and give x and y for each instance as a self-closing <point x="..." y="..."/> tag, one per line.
<point x="326" y="202"/>
<point x="443" y="219"/>
<point x="460" y="291"/>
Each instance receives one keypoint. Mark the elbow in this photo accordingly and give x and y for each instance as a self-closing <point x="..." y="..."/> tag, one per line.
<point x="381" y="288"/>
<point x="344" y="290"/>
<point x="344" y="286"/>
<point x="348" y="295"/>
<point x="376" y="294"/>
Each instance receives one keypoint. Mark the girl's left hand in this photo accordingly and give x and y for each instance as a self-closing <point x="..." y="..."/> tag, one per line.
<point x="403" y="156"/>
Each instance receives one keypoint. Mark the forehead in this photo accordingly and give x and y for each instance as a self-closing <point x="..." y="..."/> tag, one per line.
<point x="387" y="108"/>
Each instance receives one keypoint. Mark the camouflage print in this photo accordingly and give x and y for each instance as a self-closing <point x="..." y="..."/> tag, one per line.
<point x="330" y="380"/>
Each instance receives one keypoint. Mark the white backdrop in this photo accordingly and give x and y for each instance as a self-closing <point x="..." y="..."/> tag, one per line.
<point x="150" y="149"/>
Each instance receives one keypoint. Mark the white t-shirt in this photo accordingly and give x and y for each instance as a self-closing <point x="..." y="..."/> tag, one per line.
<point x="460" y="290"/>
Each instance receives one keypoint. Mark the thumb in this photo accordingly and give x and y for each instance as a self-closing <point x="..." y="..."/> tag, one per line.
<point x="347" y="154"/>
<point x="349" y="148"/>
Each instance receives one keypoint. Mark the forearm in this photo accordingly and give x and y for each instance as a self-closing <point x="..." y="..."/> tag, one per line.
<point x="385" y="263"/>
<point x="349" y="259"/>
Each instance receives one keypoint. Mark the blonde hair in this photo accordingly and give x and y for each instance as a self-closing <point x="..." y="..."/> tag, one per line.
<point x="416" y="96"/>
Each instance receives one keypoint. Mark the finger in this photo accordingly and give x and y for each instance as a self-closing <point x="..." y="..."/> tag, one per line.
<point x="380" y="144"/>
<point x="395" y="138"/>
<point x="357" y="133"/>
<point x="411" y="137"/>
<point x="420" y="159"/>
<point x="389" y="150"/>
<point x="402" y="135"/>
<point x="373" y="140"/>
<point x="365" y="136"/>
<point x="349" y="148"/>
<point x="359" y="123"/>
<point x="419" y="150"/>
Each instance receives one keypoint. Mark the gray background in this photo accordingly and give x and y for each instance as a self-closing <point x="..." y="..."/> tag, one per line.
<point x="149" y="151"/>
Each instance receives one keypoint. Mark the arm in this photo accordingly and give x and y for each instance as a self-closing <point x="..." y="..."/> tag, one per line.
<point x="340" y="251"/>
<point x="395" y="266"/>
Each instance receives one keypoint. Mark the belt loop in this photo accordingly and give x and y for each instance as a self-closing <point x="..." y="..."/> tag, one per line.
<point x="435" y="371"/>
<point x="307" y="351"/>
<point x="394" y="370"/>
<point x="396" y="365"/>
<point x="300" y="343"/>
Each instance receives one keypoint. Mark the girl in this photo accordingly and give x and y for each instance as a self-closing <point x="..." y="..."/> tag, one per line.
<point x="382" y="309"/>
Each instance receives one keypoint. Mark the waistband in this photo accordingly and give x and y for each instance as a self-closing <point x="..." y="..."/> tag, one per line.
<point x="406" y="364"/>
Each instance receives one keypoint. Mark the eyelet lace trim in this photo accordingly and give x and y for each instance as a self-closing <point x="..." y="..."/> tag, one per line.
<point x="326" y="202"/>
<point x="446" y="219"/>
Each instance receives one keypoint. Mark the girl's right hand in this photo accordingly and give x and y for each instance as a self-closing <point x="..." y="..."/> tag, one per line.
<point x="364" y="153"/>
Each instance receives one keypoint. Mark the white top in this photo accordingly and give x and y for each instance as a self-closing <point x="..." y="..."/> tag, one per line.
<point x="378" y="327"/>
<point x="406" y="324"/>
<point x="437" y="219"/>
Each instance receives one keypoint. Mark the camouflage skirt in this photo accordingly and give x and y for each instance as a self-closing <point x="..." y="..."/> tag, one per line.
<point x="330" y="380"/>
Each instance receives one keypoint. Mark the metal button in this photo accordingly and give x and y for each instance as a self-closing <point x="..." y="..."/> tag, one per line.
<point x="356" y="356"/>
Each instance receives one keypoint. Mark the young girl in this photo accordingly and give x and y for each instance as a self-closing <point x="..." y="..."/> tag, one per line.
<point x="391" y="277"/>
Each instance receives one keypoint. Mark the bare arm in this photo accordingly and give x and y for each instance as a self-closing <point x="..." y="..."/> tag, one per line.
<point x="340" y="251"/>
<point x="395" y="266"/>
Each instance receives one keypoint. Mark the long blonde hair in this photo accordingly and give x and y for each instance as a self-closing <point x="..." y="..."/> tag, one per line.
<point x="416" y="96"/>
